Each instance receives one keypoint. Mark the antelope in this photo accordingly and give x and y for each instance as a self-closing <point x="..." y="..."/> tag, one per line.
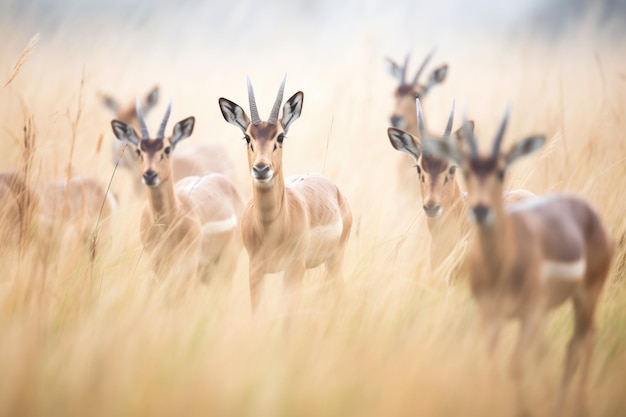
<point x="403" y="116"/>
<point x="199" y="159"/>
<point x="405" y="94"/>
<point x="19" y="210"/>
<point x="530" y="257"/>
<point x="443" y="201"/>
<point x="50" y="210"/>
<point x="80" y="206"/>
<point x="289" y="225"/>
<point x="191" y="226"/>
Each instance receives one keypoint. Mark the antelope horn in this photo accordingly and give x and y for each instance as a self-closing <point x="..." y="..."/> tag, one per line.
<point x="254" y="113"/>
<point x="446" y="132"/>
<point x="273" y="119"/>
<point x="142" y="121"/>
<point x="424" y="63"/>
<point x="404" y="67"/>
<point x="498" y="140"/>
<point x="161" y="132"/>
<point x="420" y="119"/>
<point x="471" y="139"/>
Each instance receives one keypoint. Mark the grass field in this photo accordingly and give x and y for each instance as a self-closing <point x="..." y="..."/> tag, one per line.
<point x="81" y="337"/>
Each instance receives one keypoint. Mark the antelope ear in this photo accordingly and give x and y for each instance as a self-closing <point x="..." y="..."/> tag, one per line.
<point x="292" y="110"/>
<point x="461" y="135"/>
<point x="394" y="69"/>
<point x="125" y="132"/>
<point x="404" y="142"/>
<point x="234" y="114"/>
<point x="150" y="100"/>
<point x="524" y="147"/>
<point x="444" y="149"/>
<point x="182" y="130"/>
<point x="438" y="75"/>
<point x="110" y="103"/>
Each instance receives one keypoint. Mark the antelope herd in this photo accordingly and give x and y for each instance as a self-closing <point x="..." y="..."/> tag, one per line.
<point x="526" y="254"/>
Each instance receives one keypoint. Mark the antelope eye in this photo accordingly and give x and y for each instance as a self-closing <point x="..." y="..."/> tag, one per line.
<point x="138" y="152"/>
<point x="247" y="138"/>
<point x="419" y="170"/>
<point x="452" y="170"/>
<point x="501" y="175"/>
<point x="280" y="138"/>
<point x="167" y="150"/>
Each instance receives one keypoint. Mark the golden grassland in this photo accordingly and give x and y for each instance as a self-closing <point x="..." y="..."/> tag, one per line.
<point x="100" y="337"/>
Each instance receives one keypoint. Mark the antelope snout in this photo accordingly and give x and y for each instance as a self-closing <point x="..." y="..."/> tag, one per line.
<point x="261" y="172"/>
<point x="433" y="209"/>
<point x="481" y="213"/>
<point x="150" y="178"/>
<point x="397" y="121"/>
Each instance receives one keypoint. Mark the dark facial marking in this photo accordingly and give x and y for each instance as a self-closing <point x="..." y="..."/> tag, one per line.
<point x="433" y="165"/>
<point x="483" y="167"/>
<point x="151" y="145"/>
<point x="404" y="90"/>
<point x="263" y="131"/>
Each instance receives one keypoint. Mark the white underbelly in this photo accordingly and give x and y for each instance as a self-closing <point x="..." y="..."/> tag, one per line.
<point x="563" y="271"/>
<point x="220" y="226"/>
<point x="327" y="232"/>
<point x="323" y="242"/>
<point x="561" y="279"/>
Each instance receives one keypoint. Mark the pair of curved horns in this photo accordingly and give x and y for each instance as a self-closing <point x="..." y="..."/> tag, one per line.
<point x="495" y="150"/>
<point x="144" y="126"/>
<point x="420" y="69"/>
<point x="254" y="112"/>
<point x="420" y="120"/>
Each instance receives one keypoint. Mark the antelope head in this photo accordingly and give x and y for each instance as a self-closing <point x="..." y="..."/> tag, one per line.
<point x="128" y="115"/>
<point x="407" y="91"/>
<point x="484" y="173"/>
<point x="264" y="139"/>
<point x="154" y="154"/>
<point x="436" y="175"/>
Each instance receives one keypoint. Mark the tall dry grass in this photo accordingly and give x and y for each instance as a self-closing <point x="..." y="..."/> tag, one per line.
<point x="80" y="336"/>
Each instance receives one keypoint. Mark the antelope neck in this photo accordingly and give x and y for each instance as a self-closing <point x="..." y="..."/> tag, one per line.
<point x="163" y="201"/>
<point x="269" y="202"/>
<point x="493" y="237"/>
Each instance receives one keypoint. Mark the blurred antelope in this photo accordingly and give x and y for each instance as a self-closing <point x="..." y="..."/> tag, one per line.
<point x="198" y="159"/>
<point x="403" y="116"/>
<point x="78" y="207"/>
<point x="190" y="227"/>
<point x="19" y="210"/>
<point x="52" y="210"/>
<point x="530" y="257"/>
<point x="290" y="225"/>
<point x="443" y="202"/>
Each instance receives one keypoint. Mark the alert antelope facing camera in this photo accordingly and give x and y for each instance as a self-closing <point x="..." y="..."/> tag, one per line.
<point x="190" y="227"/>
<point x="289" y="225"/>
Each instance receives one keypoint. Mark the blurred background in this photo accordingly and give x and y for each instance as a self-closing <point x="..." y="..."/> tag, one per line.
<point x="397" y="331"/>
